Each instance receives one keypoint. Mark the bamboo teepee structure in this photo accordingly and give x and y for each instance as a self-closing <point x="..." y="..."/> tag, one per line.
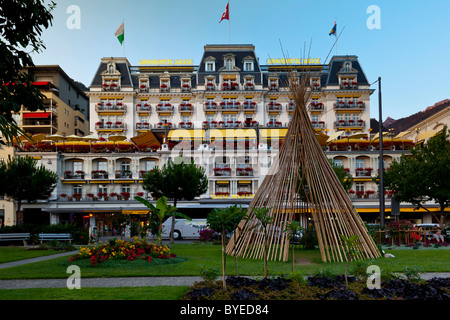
<point x="302" y="173"/>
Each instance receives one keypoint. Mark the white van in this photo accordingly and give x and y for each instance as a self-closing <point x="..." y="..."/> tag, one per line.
<point x="184" y="228"/>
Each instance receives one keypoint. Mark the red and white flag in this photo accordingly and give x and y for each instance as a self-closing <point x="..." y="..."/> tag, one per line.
<point x="226" y="14"/>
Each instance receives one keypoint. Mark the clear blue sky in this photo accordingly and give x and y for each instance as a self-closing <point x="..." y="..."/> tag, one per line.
<point x="409" y="52"/>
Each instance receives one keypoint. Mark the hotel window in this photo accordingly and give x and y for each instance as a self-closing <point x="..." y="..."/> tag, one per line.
<point x="125" y="188"/>
<point x="125" y="166"/>
<point x="209" y="118"/>
<point x="359" y="163"/>
<point x="359" y="186"/>
<point x="102" y="189"/>
<point x="314" y="118"/>
<point x="229" y="64"/>
<point x="273" y="118"/>
<point x="77" y="166"/>
<point x="78" y="189"/>
<point x="338" y="162"/>
<point x="210" y="66"/>
<point x="102" y="166"/>
<point x="248" y="65"/>
<point x="150" y="165"/>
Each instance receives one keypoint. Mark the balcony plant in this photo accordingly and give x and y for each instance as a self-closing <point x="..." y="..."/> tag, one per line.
<point x="359" y="193"/>
<point x="77" y="196"/>
<point x="90" y="195"/>
<point x="63" y="195"/>
<point x="113" y="194"/>
<point x="125" y="195"/>
<point x="140" y="194"/>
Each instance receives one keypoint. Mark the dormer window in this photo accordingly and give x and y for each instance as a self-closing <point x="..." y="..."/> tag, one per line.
<point x="209" y="66"/>
<point x="229" y="64"/>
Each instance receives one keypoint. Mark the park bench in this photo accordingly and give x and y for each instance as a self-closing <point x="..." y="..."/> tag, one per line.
<point x="15" y="237"/>
<point x="55" y="236"/>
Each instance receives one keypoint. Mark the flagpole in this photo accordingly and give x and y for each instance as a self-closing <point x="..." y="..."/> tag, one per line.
<point x="123" y="46"/>
<point x="229" y="24"/>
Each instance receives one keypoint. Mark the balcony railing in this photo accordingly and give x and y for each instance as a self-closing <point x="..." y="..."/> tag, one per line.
<point x="363" y="172"/>
<point x="360" y="105"/>
<point x="100" y="196"/>
<point x="233" y="86"/>
<point x="230" y="106"/>
<point x="244" y="172"/>
<point x="313" y="106"/>
<point x="123" y="174"/>
<point x="77" y="175"/>
<point x="318" y="124"/>
<point x="111" y="126"/>
<point x="186" y="125"/>
<point x="249" y="106"/>
<point x="99" y="174"/>
<point x="273" y="87"/>
<point x="167" y="107"/>
<point x="349" y="85"/>
<point x="274" y="124"/>
<point x="210" y="106"/>
<point x="349" y="123"/>
<point x="143" y="126"/>
<point x="273" y="106"/>
<point x="143" y="107"/>
<point x="185" y="107"/>
<point x="110" y="107"/>
<point x="111" y="87"/>
<point x="210" y="86"/>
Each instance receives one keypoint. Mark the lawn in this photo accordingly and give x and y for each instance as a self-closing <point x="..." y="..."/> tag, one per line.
<point x="9" y="254"/>
<point x="197" y="256"/>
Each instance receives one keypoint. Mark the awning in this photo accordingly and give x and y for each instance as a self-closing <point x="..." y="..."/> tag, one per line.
<point x="226" y="134"/>
<point x="36" y="115"/>
<point x="426" y="134"/>
<point x="268" y="134"/>
<point x="401" y="134"/>
<point x="146" y="139"/>
<point x="186" y="134"/>
<point x="334" y="136"/>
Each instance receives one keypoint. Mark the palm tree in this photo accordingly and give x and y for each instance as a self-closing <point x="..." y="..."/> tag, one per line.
<point x="159" y="213"/>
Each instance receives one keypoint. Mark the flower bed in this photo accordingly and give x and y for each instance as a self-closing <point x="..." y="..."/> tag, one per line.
<point x="123" y="250"/>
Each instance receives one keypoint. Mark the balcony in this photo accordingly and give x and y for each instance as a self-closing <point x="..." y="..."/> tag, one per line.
<point x="248" y="106"/>
<point x="185" y="108"/>
<point x="249" y="86"/>
<point x="290" y="107"/>
<point x="143" y="126"/>
<point x="316" y="87"/>
<point x="233" y="86"/>
<point x="363" y="172"/>
<point x="110" y="107"/>
<point x="222" y="171"/>
<point x="186" y="125"/>
<point x="143" y="108"/>
<point x="185" y="88"/>
<point x="316" y="106"/>
<point x="164" y="88"/>
<point x="77" y="175"/>
<point x="99" y="174"/>
<point x="349" y="85"/>
<point x="230" y="106"/>
<point x="111" y="87"/>
<point x="210" y="106"/>
<point x="349" y="105"/>
<point x="164" y="108"/>
<point x="123" y="174"/>
<point x="318" y="124"/>
<point x="273" y="87"/>
<point x="143" y="88"/>
<point x="110" y="126"/>
<point x="273" y="107"/>
<point x="162" y="125"/>
<point x="244" y="172"/>
<point x="99" y="196"/>
<point x="349" y="124"/>
<point x="274" y="124"/>
<point x="210" y="86"/>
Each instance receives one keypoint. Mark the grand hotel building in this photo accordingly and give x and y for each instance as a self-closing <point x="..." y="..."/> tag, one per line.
<point x="228" y="113"/>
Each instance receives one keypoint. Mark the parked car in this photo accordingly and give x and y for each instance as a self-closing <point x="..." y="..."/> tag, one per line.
<point x="184" y="228"/>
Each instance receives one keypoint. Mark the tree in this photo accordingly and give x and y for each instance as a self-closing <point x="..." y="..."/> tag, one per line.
<point x="176" y="181"/>
<point x="265" y="220"/>
<point x="225" y="220"/>
<point x="22" y="179"/>
<point x="158" y="214"/>
<point x="343" y="175"/>
<point x="21" y="25"/>
<point x="350" y="247"/>
<point x="292" y="229"/>
<point x="423" y="175"/>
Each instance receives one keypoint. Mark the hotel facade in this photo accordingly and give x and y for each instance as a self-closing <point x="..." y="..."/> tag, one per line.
<point x="228" y="114"/>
